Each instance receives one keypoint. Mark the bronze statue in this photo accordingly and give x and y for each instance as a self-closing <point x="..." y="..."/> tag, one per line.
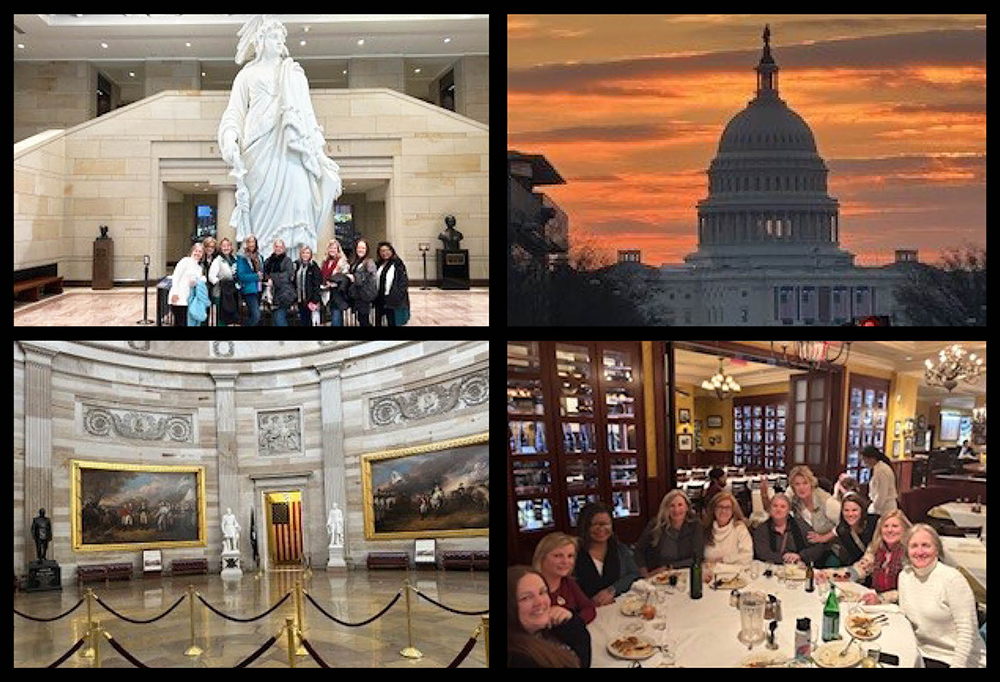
<point x="41" y="531"/>
<point x="451" y="237"/>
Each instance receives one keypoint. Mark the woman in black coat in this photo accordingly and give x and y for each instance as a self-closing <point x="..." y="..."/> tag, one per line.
<point x="393" y="299"/>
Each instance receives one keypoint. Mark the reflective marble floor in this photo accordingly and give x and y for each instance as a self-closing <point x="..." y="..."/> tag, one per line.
<point x="354" y="596"/>
<point x="123" y="306"/>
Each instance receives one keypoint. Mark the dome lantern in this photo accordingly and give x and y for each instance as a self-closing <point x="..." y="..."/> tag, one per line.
<point x="767" y="70"/>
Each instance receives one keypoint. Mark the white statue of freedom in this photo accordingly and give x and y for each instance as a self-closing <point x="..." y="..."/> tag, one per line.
<point x="285" y="183"/>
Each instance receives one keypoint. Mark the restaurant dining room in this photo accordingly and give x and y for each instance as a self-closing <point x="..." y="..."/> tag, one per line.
<point x="746" y="504"/>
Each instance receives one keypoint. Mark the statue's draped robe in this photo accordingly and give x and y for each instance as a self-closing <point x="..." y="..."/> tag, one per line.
<point x="291" y="183"/>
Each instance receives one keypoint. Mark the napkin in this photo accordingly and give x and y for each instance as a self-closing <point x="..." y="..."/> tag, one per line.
<point x="880" y="608"/>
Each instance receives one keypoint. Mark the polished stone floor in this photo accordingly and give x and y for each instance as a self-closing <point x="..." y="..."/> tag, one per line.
<point x="123" y="306"/>
<point x="353" y="596"/>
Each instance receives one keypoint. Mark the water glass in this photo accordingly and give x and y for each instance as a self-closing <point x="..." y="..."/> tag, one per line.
<point x="754" y="570"/>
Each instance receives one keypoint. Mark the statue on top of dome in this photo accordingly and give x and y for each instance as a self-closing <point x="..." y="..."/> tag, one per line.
<point x="767" y="35"/>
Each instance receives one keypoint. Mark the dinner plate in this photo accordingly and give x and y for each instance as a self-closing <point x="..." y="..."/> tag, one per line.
<point x="764" y="659"/>
<point x="632" y="605"/>
<point x="631" y="648"/>
<point x="828" y="655"/>
<point x="732" y="582"/>
<point x="872" y="631"/>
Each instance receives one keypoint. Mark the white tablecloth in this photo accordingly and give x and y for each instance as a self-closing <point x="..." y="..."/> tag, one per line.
<point x="967" y="555"/>
<point x="961" y="513"/>
<point x="706" y="628"/>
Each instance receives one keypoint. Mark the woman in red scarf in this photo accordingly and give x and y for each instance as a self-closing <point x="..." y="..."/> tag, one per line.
<point x="883" y="559"/>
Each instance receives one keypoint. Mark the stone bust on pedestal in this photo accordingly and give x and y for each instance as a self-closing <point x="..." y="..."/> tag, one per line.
<point x="451" y="238"/>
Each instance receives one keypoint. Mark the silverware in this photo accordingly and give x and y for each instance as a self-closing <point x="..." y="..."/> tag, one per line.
<point x="844" y="652"/>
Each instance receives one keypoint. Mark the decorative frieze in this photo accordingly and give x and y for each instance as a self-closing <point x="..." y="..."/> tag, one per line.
<point x="106" y="422"/>
<point x="279" y="432"/>
<point x="429" y="401"/>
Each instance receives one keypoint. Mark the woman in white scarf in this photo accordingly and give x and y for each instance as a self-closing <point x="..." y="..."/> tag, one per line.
<point x="728" y="545"/>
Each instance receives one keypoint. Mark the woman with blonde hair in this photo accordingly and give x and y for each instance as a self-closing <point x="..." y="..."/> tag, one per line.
<point x="939" y="603"/>
<point x="728" y="545"/>
<point x="818" y="510"/>
<point x="555" y="559"/>
<point x="335" y="282"/>
<point x="883" y="560"/>
<point x="673" y="539"/>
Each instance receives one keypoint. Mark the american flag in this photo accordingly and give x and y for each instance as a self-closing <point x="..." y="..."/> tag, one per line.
<point x="286" y="528"/>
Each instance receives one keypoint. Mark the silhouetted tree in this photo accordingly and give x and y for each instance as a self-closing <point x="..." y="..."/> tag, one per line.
<point x="953" y="294"/>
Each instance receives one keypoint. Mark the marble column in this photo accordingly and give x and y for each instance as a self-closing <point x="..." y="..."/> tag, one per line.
<point x="38" y="446"/>
<point x="225" y="424"/>
<point x="334" y="490"/>
<point x="226" y="203"/>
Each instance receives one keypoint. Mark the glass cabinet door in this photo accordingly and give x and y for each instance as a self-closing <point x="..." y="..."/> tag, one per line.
<point x="528" y="451"/>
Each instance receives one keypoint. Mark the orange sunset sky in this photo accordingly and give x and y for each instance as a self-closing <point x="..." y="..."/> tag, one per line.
<point x="629" y="110"/>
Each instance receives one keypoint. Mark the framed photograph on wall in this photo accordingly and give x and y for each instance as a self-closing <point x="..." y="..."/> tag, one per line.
<point x="714" y="421"/>
<point x="684" y="441"/>
<point x="118" y="506"/>
<point x="434" y="490"/>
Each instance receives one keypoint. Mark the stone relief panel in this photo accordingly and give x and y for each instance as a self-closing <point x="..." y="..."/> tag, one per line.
<point x="107" y="422"/>
<point x="428" y="401"/>
<point x="279" y="432"/>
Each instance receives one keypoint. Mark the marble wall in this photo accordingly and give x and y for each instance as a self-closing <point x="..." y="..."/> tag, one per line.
<point x="63" y="389"/>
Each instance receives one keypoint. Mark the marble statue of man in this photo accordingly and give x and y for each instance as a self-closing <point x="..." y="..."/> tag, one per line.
<point x="285" y="184"/>
<point x="230" y="531"/>
<point x="335" y="526"/>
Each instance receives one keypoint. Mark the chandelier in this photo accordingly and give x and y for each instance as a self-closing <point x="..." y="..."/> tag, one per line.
<point x="954" y="364"/>
<point x="721" y="383"/>
<point x="816" y="354"/>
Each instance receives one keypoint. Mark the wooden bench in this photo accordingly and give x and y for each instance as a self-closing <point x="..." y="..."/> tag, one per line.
<point x="388" y="560"/>
<point x="103" y="572"/>
<point x="33" y="288"/>
<point x="466" y="561"/>
<point x="119" y="571"/>
<point x="188" y="566"/>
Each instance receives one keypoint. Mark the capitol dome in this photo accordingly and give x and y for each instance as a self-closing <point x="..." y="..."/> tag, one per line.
<point x="767" y="201"/>
<point x="767" y="124"/>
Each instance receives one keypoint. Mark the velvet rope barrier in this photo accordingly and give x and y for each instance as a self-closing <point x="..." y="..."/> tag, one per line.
<point x="73" y="650"/>
<point x="120" y="649"/>
<point x="141" y="622"/>
<point x="312" y="652"/>
<point x="255" y="655"/>
<point x="354" y="625"/>
<point x="242" y="620"/>
<point x="49" y="620"/>
<point x="461" y="613"/>
<point x="464" y="653"/>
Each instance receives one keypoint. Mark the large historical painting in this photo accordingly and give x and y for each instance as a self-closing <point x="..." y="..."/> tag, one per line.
<point x="126" y="506"/>
<point x="436" y="490"/>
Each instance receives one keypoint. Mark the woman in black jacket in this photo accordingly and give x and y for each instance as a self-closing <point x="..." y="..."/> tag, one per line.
<point x="855" y="530"/>
<point x="307" y="280"/>
<point x="393" y="299"/>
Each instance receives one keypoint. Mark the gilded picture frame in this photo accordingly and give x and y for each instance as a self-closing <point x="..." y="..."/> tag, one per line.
<point x="117" y="506"/>
<point x="428" y="491"/>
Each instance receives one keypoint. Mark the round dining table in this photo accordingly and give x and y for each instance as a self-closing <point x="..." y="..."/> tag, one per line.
<point x="704" y="631"/>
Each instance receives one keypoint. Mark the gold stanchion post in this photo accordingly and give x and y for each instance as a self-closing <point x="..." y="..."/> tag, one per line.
<point x="300" y="650"/>
<point x="410" y="651"/>
<point x="289" y="625"/>
<point x="88" y="652"/>
<point x="486" y="638"/>
<point x="96" y="643"/>
<point x="194" y="649"/>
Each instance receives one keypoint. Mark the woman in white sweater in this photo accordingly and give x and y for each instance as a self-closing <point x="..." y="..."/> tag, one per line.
<point x="882" y="486"/>
<point x="939" y="604"/>
<point x="728" y="545"/>
<point x="186" y="275"/>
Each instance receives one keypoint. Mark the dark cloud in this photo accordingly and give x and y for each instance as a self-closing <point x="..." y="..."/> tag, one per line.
<point x="622" y="133"/>
<point x="885" y="52"/>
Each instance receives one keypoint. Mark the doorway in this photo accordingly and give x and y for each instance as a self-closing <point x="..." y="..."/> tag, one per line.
<point x="283" y="514"/>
